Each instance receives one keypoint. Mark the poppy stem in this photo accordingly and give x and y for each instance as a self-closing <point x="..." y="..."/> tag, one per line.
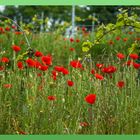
<point x="90" y="115"/>
<point x="14" y="60"/>
<point x="5" y="71"/>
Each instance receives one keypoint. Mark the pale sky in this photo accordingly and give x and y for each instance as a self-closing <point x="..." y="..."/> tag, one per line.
<point x="1" y="8"/>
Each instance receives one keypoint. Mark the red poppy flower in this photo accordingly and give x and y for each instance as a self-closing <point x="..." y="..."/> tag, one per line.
<point x="136" y="65"/>
<point x="72" y="49"/>
<point x="37" y="64"/>
<point x="58" y="68"/>
<point x="16" y="48"/>
<point x="84" y="124"/>
<point x="1" y="30"/>
<point x="98" y="76"/>
<point x="65" y="71"/>
<point x="86" y="33"/>
<point x="38" y="54"/>
<point x="137" y="39"/>
<point x="1" y="68"/>
<point x="92" y="71"/>
<point x="54" y="77"/>
<point x="18" y="33"/>
<point x="77" y="40"/>
<point x="125" y="39"/>
<point x="99" y="65"/>
<point x="30" y="62"/>
<point x="120" y="56"/>
<point x="71" y="40"/>
<point x="43" y="67"/>
<point x="83" y="29"/>
<point x="7" y="85"/>
<point x="54" y="73"/>
<point x="118" y="38"/>
<point x="7" y="29"/>
<point x="134" y="56"/>
<point x="39" y="74"/>
<point x="47" y="59"/>
<point x="22" y="132"/>
<point x="51" y="98"/>
<point x="70" y="83"/>
<point x="130" y="33"/>
<point x="109" y="69"/>
<point x="13" y="27"/>
<point x="90" y="98"/>
<point x="64" y="39"/>
<point x="76" y="64"/>
<point x="128" y="63"/>
<point x="4" y="60"/>
<point x="120" y="84"/>
<point x="20" y="65"/>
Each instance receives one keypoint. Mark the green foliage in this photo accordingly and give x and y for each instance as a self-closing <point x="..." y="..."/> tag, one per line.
<point x="134" y="48"/>
<point x="124" y="20"/>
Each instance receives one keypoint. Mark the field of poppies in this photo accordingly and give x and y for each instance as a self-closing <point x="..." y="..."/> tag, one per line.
<point x="49" y="85"/>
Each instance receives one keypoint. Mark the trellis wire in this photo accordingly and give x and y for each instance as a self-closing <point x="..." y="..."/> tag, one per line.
<point x="19" y="29"/>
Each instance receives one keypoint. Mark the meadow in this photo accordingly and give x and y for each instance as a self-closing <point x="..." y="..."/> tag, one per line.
<point x="50" y="87"/>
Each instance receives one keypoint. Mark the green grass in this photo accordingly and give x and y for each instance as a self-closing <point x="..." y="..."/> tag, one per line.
<point x="25" y="107"/>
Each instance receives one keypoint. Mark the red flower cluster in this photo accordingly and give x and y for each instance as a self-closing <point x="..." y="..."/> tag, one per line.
<point x="70" y="83"/>
<point x="51" y="98"/>
<point x="71" y="40"/>
<point x="13" y="27"/>
<point x="20" y="65"/>
<point x="7" y="85"/>
<point x="1" y="30"/>
<point x="1" y="68"/>
<point x="120" y="55"/>
<point x="22" y="132"/>
<point x="125" y="39"/>
<point x="109" y="69"/>
<point x="84" y="29"/>
<point x="72" y="49"/>
<point x="76" y="64"/>
<point x="98" y="76"/>
<point x="61" y="69"/>
<point x="92" y="71"/>
<point x="7" y="28"/>
<point x="134" y="56"/>
<point x="118" y="38"/>
<point x="18" y="33"/>
<point x="77" y="40"/>
<point x="90" y="98"/>
<point x="47" y="60"/>
<point x="84" y="124"/>
<point x="30" y="62"/>
<point x="38" y="54"/>
<point x="120" y="84"/>
<point x="4" y="60"/>
<point x="136" y="65"/>
<point x="130" y="33"/>
<point x="54" y="74"/>
<point x="99" y="65"/>
<point x="128" y="63"/>
<point x="137" y="39"/>
<point x="16" y="48"/>
<point x="43" y="67"/>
